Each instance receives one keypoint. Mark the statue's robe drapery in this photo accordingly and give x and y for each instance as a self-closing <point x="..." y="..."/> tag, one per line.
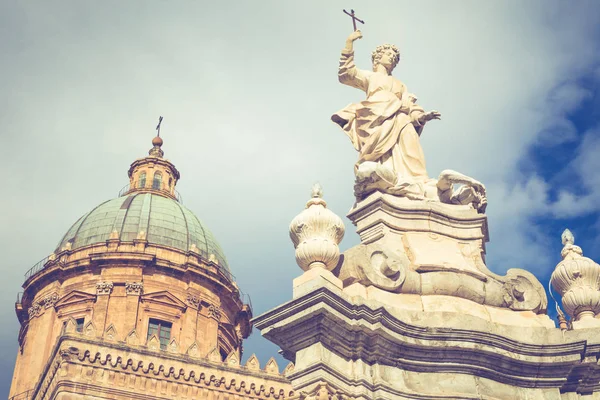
<point x="384" y="127"/>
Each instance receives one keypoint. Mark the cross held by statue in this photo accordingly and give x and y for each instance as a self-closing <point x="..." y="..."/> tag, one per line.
<point x="354" y="19"/>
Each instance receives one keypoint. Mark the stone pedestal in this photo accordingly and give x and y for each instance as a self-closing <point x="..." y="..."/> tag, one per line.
<point x="432" y="249"/>
<point x="413" y="313"/>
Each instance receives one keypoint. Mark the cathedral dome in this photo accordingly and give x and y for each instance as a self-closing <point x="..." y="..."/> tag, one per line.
<point x="162" y="220"/>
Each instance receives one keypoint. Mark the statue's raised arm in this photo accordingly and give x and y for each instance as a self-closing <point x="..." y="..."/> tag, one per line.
<point x="348" y="73"/>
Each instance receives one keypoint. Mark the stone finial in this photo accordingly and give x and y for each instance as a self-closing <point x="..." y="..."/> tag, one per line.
<point x="316" y="233"/>
<point x="289" y="369"/>
<point x="577" y="279"/>
<point x="156" y="150"/>
<point x="271" y="367"/>
<point x="317" y="191"/>
<point x="253" y="364"/>
<point x="567" y="237"/>
<point x="232" y="359"/>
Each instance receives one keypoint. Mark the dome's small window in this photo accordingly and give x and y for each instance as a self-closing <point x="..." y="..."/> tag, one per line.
<point x="170" y="182"/>
<point x="142" y="180"/>
<point x="157" y="181"/>
<point x="162" y="329"/>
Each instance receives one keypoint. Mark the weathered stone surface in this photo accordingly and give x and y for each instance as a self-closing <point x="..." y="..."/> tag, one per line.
<point x="365" y="348"/>
<point x="429" y="248"/>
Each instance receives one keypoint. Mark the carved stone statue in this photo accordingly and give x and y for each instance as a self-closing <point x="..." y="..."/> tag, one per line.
<point x="385" y="130"/>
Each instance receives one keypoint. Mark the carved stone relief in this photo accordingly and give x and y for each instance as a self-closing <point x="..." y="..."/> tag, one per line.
<point x="134" y="288"/>
<point x="104" y="287"/>
<point x="193" y="301"/>
<point x="214" y="312"/>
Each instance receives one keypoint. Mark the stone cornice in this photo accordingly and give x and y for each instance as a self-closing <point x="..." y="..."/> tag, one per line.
<point x="377" y="336"/>
<point x="69" y="261"/>
<point x="74" y="354"/>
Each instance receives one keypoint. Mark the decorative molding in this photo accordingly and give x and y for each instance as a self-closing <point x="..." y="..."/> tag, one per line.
<point x="132" y="338"/>
<point x="153" y="343"/>
<point x="50" y="300"/>
<point x="379" y="337"/>
<point x="34" y="311"/>
<point x="89" y="329"/>
<point x="134" y="288"/>
<point x="194" y="350"/>
<point x="232" y="359"/>
<point x="110" y="333"/>
<point x="323" y="392"/>
<point x="253" y="364"/>
<point x="194" y="301"/>
<point x="173" y="346"/>
<point x="164" y="298"/>
<point x="214" y="355"/>
<point x="214" y="312"/>
<point x="199" y="381"/>
<point x="75" y="297"/>
<point x="272" y="367"/>
<point x="289" y="369"/>
<point x="37" y="308"/>
<point x="104" y="287"/>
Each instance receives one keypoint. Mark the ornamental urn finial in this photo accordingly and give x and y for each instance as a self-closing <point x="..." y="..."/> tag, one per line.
<point x="577" y="279"/>
<point x="316" y="233"/>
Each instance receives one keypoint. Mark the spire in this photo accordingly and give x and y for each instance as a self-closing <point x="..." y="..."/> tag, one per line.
<point x="157" y="142"/>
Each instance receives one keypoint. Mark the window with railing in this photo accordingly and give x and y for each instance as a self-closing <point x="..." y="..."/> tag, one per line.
<point x="157" y="181"/>
<point x="161" y="329"/>
<point x="142" y="180"/>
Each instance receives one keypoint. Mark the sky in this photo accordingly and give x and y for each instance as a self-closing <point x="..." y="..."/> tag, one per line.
<point x="247" y="89"/>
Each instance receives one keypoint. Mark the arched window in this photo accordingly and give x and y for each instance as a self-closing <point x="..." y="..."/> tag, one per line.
<point x="142" y="180"/>
<point x="170" y="182"/>
<point x="157" y="181"/>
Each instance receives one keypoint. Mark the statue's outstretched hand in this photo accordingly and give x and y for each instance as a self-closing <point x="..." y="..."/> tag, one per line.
<point x="429" y="116"/>
<point x="355" y="36"/>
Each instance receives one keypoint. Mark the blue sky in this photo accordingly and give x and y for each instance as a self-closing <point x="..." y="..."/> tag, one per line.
<point x="247" y="90"/>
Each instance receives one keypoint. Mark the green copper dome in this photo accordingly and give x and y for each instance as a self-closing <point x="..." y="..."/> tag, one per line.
<point x="164" y="221"/>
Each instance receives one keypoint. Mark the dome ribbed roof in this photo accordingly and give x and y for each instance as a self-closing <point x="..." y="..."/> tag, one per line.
<point x="164" y="220"/>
